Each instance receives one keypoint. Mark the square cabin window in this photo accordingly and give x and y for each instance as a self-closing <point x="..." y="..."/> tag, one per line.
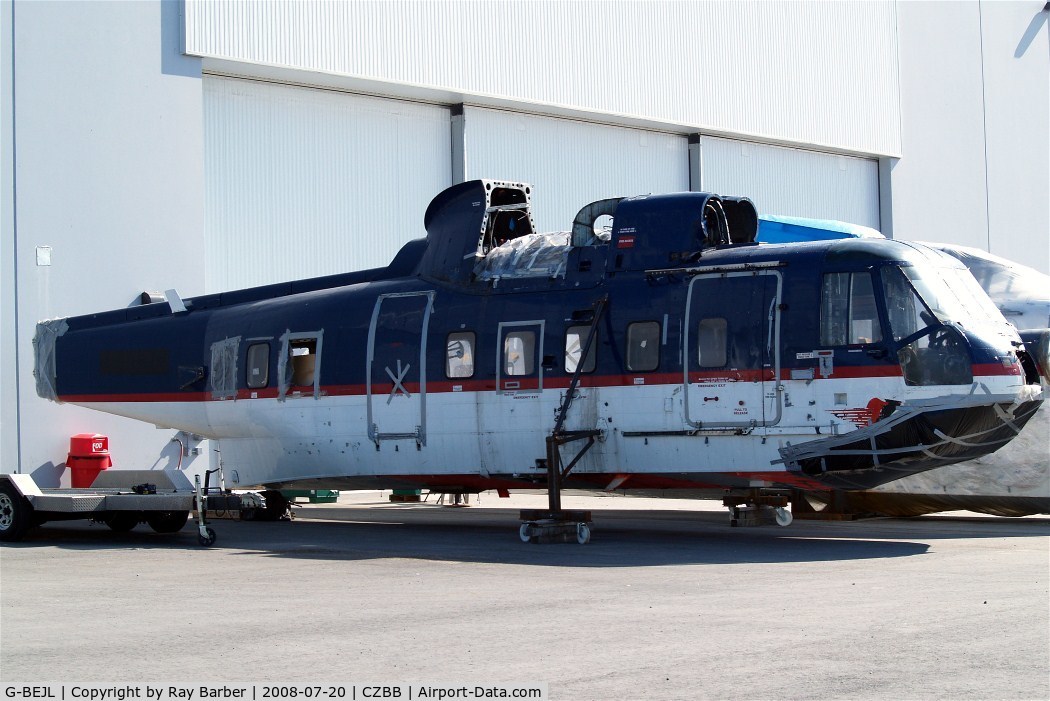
<point x="711" y="343"/>
<point x="258" y="365"/>
<point x="459" y="356"/>
<point x="519" y="353"/>
<point x="643" y="346"/>
<point x="575" y="337"/>
<point x="303" y="361"/>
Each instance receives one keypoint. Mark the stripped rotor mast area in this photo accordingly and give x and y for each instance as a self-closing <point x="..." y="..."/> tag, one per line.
<point x="670" y="350"/>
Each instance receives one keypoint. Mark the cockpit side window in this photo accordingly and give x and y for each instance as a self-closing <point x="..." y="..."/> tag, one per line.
<point x="907" y="313"/>
<point x="848" y="313"/>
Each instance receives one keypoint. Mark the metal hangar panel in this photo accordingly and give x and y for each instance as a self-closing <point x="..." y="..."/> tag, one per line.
<point x="303" y="181"/>
<point x="792" y="181"/>
<point x="569" y="162"/>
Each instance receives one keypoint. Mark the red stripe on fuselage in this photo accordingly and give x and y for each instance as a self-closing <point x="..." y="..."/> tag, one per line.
<point x="527" y="384"/>
<point x="997" y="369"/>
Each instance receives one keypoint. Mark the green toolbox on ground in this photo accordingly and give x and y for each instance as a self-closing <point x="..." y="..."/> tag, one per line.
<point x="316" y="496"/>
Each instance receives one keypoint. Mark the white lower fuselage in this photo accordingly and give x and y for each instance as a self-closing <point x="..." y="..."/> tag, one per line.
<point x="488" y="439"/>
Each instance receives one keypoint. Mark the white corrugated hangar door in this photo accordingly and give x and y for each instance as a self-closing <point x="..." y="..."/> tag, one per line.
<point x="793" y="182"/>
<point x="301" y="182"/>
<point x="571" y="163"/>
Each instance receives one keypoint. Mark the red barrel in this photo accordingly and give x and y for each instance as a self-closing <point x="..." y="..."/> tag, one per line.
<point x="88" y="456"/>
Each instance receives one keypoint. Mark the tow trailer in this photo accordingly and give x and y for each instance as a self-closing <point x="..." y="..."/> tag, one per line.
<point x="121" y="499"/>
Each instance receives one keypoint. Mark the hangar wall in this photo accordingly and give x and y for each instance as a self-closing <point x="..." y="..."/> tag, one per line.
<point x="975" y="110"/>
<point x="214" y="145"/>
<point x="712" y="66"/>
<point x="106" y="169"/>
<point x="571" y="163"/>
<point x="794" y="182"/>
<point x="301" y="182"/>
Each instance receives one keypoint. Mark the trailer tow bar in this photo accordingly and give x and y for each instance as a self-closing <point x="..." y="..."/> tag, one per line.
<point x="205" y="534"/>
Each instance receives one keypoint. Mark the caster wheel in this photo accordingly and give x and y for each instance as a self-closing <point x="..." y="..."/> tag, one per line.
<point x="208" y="539"/>
<point x="583" y="533"/>
<point x="784" y="517"/>
<point x="523" y="533"/>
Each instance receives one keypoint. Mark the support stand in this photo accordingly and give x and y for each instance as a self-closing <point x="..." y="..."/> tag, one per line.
<point x="759" y="507"/>
<point x="557" y="525"/>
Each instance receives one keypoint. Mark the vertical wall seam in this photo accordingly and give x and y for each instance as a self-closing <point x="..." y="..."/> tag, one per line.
<point x="14" y="249"/>
<point x="984" y="132"/>
<point x="458" y="127"/>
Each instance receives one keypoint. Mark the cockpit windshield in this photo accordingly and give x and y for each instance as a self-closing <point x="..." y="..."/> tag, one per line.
<point x="965" y="287"/>
<point x="917" y="304"/>
<point x="942" y="294"/>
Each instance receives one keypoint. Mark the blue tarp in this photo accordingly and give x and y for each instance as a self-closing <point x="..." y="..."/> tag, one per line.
<point x="777" y="229"/>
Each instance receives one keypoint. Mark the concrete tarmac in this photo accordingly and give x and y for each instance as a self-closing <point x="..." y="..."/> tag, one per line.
<point x="667" y="601"/>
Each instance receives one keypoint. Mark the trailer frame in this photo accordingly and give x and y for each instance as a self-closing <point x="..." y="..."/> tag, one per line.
<point x="121" y="499"/>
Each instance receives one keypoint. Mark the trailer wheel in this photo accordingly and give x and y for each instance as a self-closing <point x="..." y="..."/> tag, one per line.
<point x="122" y="521"/>
<point x="167" y="521"/>
<point x="16" y="513"/>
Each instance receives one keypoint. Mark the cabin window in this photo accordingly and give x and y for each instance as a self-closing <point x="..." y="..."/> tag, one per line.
<point x="848" y="314"/>
<point x="575" y="338"/>
<point x="304" y="361"/>
<point x="711" y="343"/>
<point x="459" y="359"/>
<point x="519" y="353"/>
<point x="299" y="367"/>
<point x="223" y="375"/>
<point x="643" y="346"/>
<point x="258" y="365"/>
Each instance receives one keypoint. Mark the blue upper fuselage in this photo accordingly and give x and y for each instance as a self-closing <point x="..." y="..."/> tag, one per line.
<point x="644" y="267"/>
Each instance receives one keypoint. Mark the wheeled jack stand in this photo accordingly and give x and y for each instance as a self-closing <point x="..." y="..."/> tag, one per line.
<point x="557" y="525"/>
<point x="758" y="507"/>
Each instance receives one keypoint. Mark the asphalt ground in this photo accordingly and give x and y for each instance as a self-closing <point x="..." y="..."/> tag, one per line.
<point x="667" y="601"/>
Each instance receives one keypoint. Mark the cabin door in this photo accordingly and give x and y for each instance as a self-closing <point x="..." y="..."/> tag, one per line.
<point x="731" y="345"/>
<point x="396" y="376"/>
<point x="511" y="420"/>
